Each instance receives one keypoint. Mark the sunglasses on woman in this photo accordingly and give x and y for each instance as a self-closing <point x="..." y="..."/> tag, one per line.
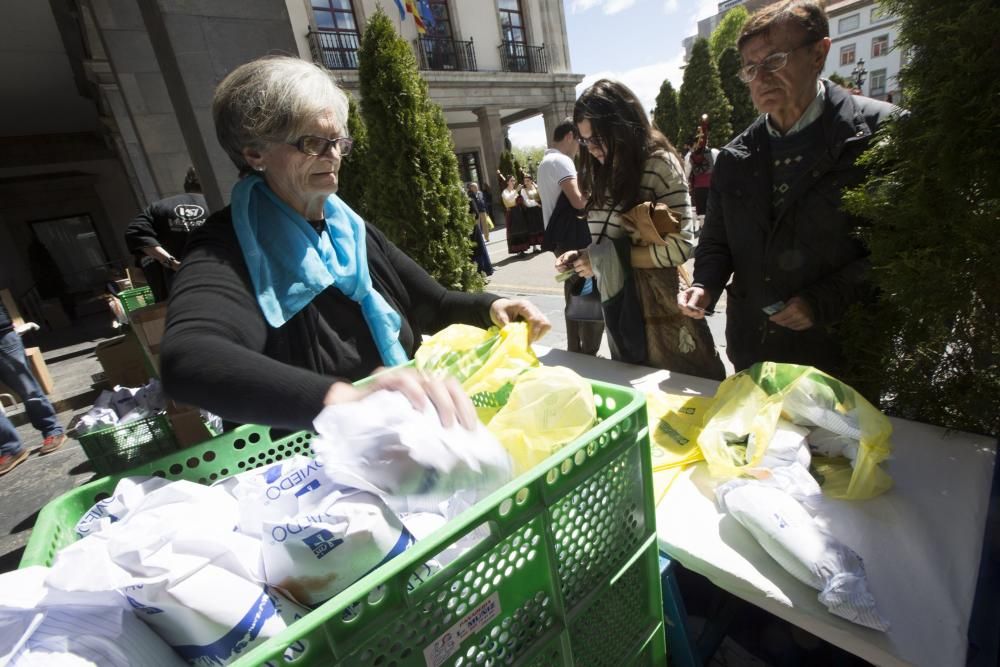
<point x="311" y="145"/>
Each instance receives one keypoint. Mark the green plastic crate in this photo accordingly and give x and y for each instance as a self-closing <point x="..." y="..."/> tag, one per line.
<point x="567" y="576"/>
<point x="120" y="448"/>
<point x="136" y="298"/>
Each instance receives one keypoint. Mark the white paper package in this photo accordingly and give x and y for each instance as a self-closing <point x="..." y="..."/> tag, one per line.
<point x="789" y="534"/>
<point x="129" y="492"/>
<point x="384" y="445"/>
<point x="42" y="627"/>
<point x="182" y="568"/>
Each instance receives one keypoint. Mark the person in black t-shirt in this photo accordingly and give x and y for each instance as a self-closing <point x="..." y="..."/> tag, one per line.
<point x="158" y="235"/>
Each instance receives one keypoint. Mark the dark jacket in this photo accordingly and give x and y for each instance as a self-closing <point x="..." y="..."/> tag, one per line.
<point x="806" y="248"/>
<point x="220" y="354"/>
<point x="167" y="223"/>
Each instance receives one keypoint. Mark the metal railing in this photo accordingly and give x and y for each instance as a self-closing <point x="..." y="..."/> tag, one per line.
<point x="335" y="50"/>
<point x="438" y="53"/>
<point x="521" y="57"/>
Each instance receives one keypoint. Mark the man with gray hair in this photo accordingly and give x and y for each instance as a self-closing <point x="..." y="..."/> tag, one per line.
<point x="775" y="222"/>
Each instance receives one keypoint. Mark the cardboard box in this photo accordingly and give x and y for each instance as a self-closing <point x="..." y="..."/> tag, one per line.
<point x="189" y="428"/>
<point x="148" y="324"/>
<point x="123" y="361"/>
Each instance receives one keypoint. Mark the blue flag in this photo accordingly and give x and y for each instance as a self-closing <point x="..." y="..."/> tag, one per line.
<point x="402" y="12"/>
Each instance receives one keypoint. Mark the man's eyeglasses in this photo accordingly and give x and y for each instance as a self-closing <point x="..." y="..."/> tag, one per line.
<point x="311" y="145"/>
<point x="772" y="63"/>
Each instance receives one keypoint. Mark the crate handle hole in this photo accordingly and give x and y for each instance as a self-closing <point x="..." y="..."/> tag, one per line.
<point x="505" y="507"/>
<point x="522" y="496"/>
<point x="208" y="456"/>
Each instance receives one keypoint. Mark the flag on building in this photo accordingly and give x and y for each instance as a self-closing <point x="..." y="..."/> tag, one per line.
<point x="411" y="7"/>
<point x="402" y="12"/>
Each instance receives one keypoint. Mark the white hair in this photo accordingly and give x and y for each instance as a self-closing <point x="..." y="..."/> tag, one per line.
<point x="273" y="99"/>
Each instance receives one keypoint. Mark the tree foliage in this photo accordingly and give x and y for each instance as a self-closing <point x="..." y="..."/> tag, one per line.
<point x="934" y="199"/>
<point x="727" y="32"/>
<point x="529" y="157"/>
<point x="665" y="113"/>
<point x="415" y="192"/>
<point x="737" y="92"/>
<point x="841" y="81"/>
<point x="354" y="176"/>
<point x="506" y="167"/>
<point x="701" y="93"/>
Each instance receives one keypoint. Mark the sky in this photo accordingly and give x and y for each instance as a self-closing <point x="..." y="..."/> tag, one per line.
<point x="635" y="41"/>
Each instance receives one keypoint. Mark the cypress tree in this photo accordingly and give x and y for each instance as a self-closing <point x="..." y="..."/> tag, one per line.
<point x="701" y="93"/>
<point x="933" y="197"/>
<point x="415" y="192"/>
<point x="506" y="167"/>
<point x="737" y="92"/>
<point x="665" y="113"/>
<point x="354" y="176"/>
<point x="727" y="32"/>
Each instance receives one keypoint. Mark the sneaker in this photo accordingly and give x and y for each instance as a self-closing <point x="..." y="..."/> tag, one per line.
<point x="10" y="461"/>
<point x="52" y="443"/>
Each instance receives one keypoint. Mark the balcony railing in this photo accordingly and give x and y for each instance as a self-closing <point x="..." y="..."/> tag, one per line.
<point x="335" y="50"/>
<point x="437" y="53"/>
<point x="521" y="57"/>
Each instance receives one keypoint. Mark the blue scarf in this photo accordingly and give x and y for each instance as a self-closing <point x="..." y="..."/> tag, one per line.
<point x="289" y="263"/>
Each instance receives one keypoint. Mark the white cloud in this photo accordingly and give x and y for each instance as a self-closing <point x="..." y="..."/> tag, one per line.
<point x="615" y="6"/>
<point x="577" y="6"/>
<point x="528" y="133"/>
<point x="671" y="6"/>
<point x="644" y="81"/>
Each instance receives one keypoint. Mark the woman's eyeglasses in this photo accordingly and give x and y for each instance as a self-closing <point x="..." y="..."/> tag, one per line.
<point x="772" y="63"/>
<point x="311" y="145"/>
<point x="587" y="142"/>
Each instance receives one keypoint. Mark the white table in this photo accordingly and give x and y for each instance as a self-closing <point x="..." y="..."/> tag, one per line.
<point x="921" y="541"/>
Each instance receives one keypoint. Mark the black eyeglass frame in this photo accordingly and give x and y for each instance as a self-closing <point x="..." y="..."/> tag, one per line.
<point x="780" y="56"/>
<point x="343" y="145"/>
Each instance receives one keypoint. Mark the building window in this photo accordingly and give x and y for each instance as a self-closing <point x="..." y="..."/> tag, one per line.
<point x="847" y="55"/>
<point x="468" y="167"/>
<point x="849" y="23"/>
<point x="876" y="83"/>
<point x="512" y="22"/>
<point x="880" y="46"/>
<point x="337" y="41"/>
<point x="441" y="27"/>
<point x="878" y="14"/>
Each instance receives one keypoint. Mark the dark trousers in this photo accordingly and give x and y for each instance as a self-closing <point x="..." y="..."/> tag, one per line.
<point x="581" y="336"/>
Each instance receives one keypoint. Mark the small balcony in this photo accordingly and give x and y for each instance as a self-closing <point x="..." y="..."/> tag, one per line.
<point x="521" y="57"/>
<point x="335" y="49"/>
<point x="437" y="53"/>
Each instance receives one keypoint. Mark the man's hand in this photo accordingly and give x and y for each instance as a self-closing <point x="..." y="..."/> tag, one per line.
<point x="693" y="302"/>
<point x="160" y="254"/>
<point x="505" y="311"/>
<point x="445" y="393"/>
<point x="797" y="315"/>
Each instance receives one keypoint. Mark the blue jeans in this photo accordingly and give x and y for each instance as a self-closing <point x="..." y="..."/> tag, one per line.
<point x="15" y="373"/>
<point x="10" y="443"/>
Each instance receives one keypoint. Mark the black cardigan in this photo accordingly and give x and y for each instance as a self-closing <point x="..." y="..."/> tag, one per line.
<point x="220" y="354"/>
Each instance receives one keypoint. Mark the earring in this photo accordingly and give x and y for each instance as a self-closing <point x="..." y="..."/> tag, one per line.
<point x="260" y="169"/>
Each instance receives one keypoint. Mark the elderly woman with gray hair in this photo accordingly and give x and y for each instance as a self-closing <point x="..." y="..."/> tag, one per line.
<point x="286" y="296"/>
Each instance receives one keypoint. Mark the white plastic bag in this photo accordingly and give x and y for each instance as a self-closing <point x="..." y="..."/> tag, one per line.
<point x="384" y="445"/>
<point x="128" y="493"/>
<point x="807" y="551"/>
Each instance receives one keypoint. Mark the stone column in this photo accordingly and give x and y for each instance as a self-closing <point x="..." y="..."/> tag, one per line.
<point x="491" y="134"/>
<point x="555" y="113"/>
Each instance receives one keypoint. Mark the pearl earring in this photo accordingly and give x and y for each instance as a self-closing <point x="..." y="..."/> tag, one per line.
<point x="261" y="169"/>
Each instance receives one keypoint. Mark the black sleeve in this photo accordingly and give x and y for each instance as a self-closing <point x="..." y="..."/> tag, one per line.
<point x="433" y="306"/>
<point x="141" y="232"/>
<point x="713" y="261"/>
<point x="212" y="354"/>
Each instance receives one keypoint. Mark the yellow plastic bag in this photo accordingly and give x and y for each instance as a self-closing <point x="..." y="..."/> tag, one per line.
<point x="485" y="361"/>
<point x="675" y="422"/>
<point x="550" y="407"/>
<point x="745" y="411"/>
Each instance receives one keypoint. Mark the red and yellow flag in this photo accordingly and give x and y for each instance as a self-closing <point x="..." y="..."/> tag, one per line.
<point x="411" y="7"/>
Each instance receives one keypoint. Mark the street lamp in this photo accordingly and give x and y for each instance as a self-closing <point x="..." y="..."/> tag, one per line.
<point x="859" y="72"/>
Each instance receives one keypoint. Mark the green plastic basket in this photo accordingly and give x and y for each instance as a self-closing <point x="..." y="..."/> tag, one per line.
<point x="568" y="574"/>
<point x="123" y="447"/>
<point x="136" y="298"/>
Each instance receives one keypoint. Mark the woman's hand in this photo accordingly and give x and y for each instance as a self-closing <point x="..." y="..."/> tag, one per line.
<point x="578" y="260"/>
<point x="505" y="311"/>
<point x="443" y="392"/>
